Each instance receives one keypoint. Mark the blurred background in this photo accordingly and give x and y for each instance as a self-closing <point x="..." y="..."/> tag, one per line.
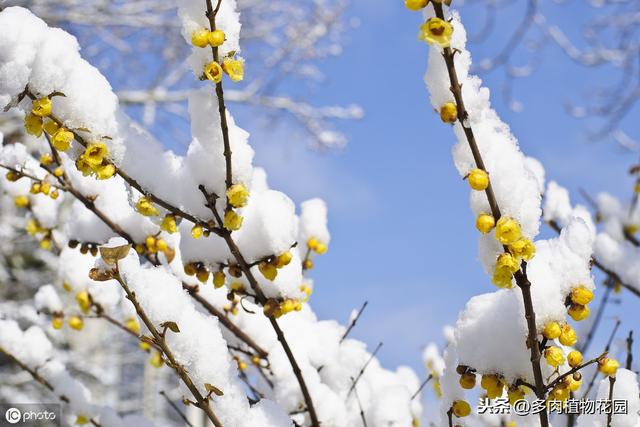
<point x="336" y="106"/>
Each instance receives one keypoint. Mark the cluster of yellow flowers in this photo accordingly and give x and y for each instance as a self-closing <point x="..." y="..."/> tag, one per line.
<point x="269" y="267"/>
<point x="201" y="272"/>
<point x="277" y="308"/>
<point x="155" y="244"/>
<point x="75" y="322"/>
<point x="580" y="297"/>
<point x="237" y="197"/>
<point x="34" y="228"/>
<point x="95" y="161"/>
<point x="316" y="246"/>
<point x="234" y="67"/>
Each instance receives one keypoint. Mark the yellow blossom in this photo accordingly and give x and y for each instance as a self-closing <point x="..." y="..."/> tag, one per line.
<point x="196" y="231"/>
<point x="574" y="385"/>
<point x="234" y="68"/>
<point x="84" y="301"/>
<point x="33" y="125"/>
<point x="62" y="139"/>
<point x="581" y="295"/>
<point x="21" y="201"/>
<point x="237" y="195"/>
<point x="200" y="38"/>
<point x="507" y="230"/>
<point x="449" y="112"/>
<point x="552" y="330"/>
<point x="213" y="72"/>
<point x="216" y="38"/>
<point x="232" y="221"/>
<point x="578" y="312"/>
<point x="523" y="248"/>
<point x="145" y="207"/>
<point x="133" y="325"/>
<point x="283" y="259"/>
<point x="307" y="264"/>
<point x="161" y="245"/>
<point x="320" y="248"/>
<point x="105" y="171"/>
<point x="468" y="380"/>
<point x="436" y="31"/>
<point x="156" y="360"/>
<point x="502" y="279"/>
<point x="57" y="322"/>
<point x="33" y="227"/>
<point x="608" y="366"/>
<point x="461" y="408"/>
<point x="485" y="223"/>
<point x="46" y="243"/>
<point x="507" y="262"/>
<point x="168" y="224"/>
<point x="51" y="127"/>
<point x="574" y="358"/>
<point x="415" y="5"/>
<point x="76" y="322"/>
<point x="515" y="394"/>
<point x="46" y="159"/>
<point x="478" y="179"/>
<point x="268" y="270"/>
<point x="554" y="356"/>
<point x="202" y="274"/>
<point x="83" y="166"/>
<point x="312" y="243"/>
<point x="218" y="279"/>
<point x="95" y="153"/>
<point x="58" y="172"/>
<point x="568" y="336"/>
<point x="41" y="107"/>
<point x="82" y="420"/>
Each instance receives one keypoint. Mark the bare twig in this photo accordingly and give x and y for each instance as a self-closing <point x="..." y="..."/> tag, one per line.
<point x="175" y="408"/>
<point x="424" y="383"/>
<point x="354" y="321"/>
<point x="373" y="355"/>
<point x="612" y="381"/>
<point x="629" y="350"/>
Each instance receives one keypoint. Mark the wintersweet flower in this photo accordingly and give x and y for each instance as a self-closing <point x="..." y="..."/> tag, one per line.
<point x="196" y="231"/>
<point x="62" y="139"/>
<point x="608" y="366"/>
<point x="169" y="224"/>
<point x="84" y="301"/>
<point x="41" y="107"/>
<point x="552" y="330"/>
<point x="507" y="230"/>
<point x="57" y="322"/>
<point x="156" y="360"/>
<point x="574" y="358"/>
<point x="416" y="5"/>
<point x="213" y="72"/>
<point x="234" y="68"/>
<point x="145" y="207"/>
<point x="514" y="394"/>
<point x="232" y="221"/>
<point x="200" y="38"/>
<point x="554" y="356"/>
<point x="523" y="248"/>
<point x="468" y="380"/>
<point x="33" y="125"/>
<point x="581" y="295"/>
<point x="105" y="171"/>
<point x="237" y="195"/>
<point x="283" y="259"/>
<point x="485" y="223"/>
<point x="478" y="179"/>
<point x="436" y="31"/>
<point x="51" y="127"/>
<point x="218" y="279"/>
<point x="215" y="38"/>
<point x="449" y="112"/>
<point x="568" y="336"/>
<point x="95" y="153"/>
<point x="578" y="312"/>
<point x="75" y="322"/>
<point x="133" y="325"/>
<point x="461" y="408"/>
<point x="21" y="201"/>
<point x="268" y="270"/>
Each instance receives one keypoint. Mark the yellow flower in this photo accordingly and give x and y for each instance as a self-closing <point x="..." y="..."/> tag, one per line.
<point x="554" y="356"/>
<point x="608" y="366"/>
<point x="578" y="312"/>
<point x="515" y="394"/>
<point x="46" y="243"/>
<point x="307" y="264"/>
<point x="156" y="360"/>
<point x="436" y="31"/>
<point x="574" y="358"/>
<point x="200" y="38"/>
<point x="33" y="227"/>
<point x="268" y="270"/>
<point x="95" y="153"/>
<point x="133" y="325"/>
<point x="83" y="166"/>
<point x="283" y="259"/>
<point x="478" y="179"/>
<point x="234" y="68"/>
<point x="218" y="279"/>
<point x="168" y="224"/>
<point x="21" y="201"/>
<point x="62" y="139"/>
<point x="552" y="330"/>
<point x="82" y="420"/>
<point x="46" y="159"/>
<point x="436" y="389"/>
<point x="57" y="322"/>
<point x="196" y="231"/>
<point x="489" y="381"/>
<point x="59" y="171"/>
<point x="145" y="207"/>
<point x="507" y="230"/>
<point x="568" y="336"/>
<point x="76" y="322"/>
<point x="449" y="112"/>
<point x="581" y="295"/>
<point x="216" y="38"/>
<point x="106" y="171"/>
<point x="559" y="393"/>
<point x="161" y="245"/>
<point x="415" y="5"/>
<point x="33" y="125"/>
<point x="320" y="248"/>
<point x="51" y="127"/>
<point x="54" y="194"/>
<point x="485" y="223"/>
<point x="502" y="279"/>
<point x="232" y="221"/>
<point x="523" y="248"/>
<point x="237" y="195"/>
<point x="574" y="385"/>
<point x="312" y="243"/>
<point x="41" y="107"/>
<point x="202" y="274"/>
<point x="35" y="188"/>
<point x="461" y="408"/>
<point x="468" y="380"/>
<point x="84" y="301"/>
<point x="213" y="72"/>
<point x="507" y="262"/>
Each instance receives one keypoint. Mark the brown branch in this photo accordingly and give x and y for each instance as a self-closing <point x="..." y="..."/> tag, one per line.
<point x="364" y="367"/>
<point x="629" y="350"/>
<point x="201" y="401"/>
<point x="521" y="277"/>
<point x="352" y="324"/>
<point x="574" y="370"/>
<point x="612" y="381"/>
<point x="424" y="383"/>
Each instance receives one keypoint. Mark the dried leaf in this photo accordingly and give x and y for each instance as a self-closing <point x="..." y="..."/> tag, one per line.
<point x="173" y="326"/>
<point x="112" y="255"/>
<point x="213" y="389"/>
<point x="100" y="275"/>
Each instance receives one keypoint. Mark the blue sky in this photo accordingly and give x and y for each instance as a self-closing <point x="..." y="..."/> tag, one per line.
<point x="402" y="234"/>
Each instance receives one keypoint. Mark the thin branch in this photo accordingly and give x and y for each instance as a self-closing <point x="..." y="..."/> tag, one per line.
<point x="606" y="350"/>
<point x="629" y="350"/>
<point x="175" y="408"/>
<point x="362" y="417"/>
<point x="574" y="370"/>
<point x="612" y="381"/>
<point x="354" y="321"/>
<point x="424" y="383"/>
<point x="373" y="355"/>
